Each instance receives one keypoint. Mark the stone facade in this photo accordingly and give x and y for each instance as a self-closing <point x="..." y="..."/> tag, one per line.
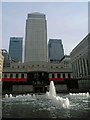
<point x="80" y="59"/>
<point x="35" y="76"/>
<point x="1" y="68"/>
<point x="1" y="64"/>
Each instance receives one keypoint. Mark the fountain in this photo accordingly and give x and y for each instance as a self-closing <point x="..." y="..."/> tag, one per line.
<point x="49" y="105"/>
<point x="52" y="90"/>
<point x="64" y="102"/>
<point x="11" y="96"/>
<point x="6" y="95"/>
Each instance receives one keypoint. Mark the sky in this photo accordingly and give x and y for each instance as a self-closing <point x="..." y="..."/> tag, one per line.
<point x="65" y="20"/>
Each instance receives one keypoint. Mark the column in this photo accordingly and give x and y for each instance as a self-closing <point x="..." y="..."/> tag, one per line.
<point x="61" y="75"/>
<point x="83" y="67"/>
<point x="86" y="66"/>
<point x="14" y="75"/>
<point x="55" y="75"/>
<point x="25" y="75"/>
<point x="19" y="75"/>
<point x="66" y="75"/>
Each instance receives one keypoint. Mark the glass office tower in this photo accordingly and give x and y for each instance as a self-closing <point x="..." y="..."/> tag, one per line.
<point x="16" y="48"/>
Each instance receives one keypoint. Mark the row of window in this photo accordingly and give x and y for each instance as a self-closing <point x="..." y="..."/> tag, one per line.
<point x="51" y="75"/>
<point x="28" y="66"/>
<point x="60" y="75"/>
<point x="37" y="66"/>
<point x="14" y="75"/>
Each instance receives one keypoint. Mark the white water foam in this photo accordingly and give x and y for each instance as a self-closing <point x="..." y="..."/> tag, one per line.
<point x="64" y="102"/>
<point x="80" y="94"/>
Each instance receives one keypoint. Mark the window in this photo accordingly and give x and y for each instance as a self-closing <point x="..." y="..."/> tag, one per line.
<point x="5" y="75"/>
<point x="11" y="75"/>
<point x="58" y="75"/>
<point x="53" y="76"/>
<point x="69" y="75"/>
<point x="16" y="75"/>
<point x="56" y="66"/>
<point x="22" y="76"/>
<point x="63" y="75"/>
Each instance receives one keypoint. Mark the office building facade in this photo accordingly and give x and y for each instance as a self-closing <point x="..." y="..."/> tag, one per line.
<point x="16" y="48"/>
<point x="36" y="38"/>
<point x="55" y="50"/>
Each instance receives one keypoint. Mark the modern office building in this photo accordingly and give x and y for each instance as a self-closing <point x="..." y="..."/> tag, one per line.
<point x="16" y="48"/>
<point x="80" y="59"/>
<point x="36" y="38"/>
<point x="55" y="50"/>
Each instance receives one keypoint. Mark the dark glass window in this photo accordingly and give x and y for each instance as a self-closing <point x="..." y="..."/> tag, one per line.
<point x="58" y="75"/>
<point x="56" y="66"/>
<point x="16" y="75"/>
<point x="63" y="75"/>
<point x="5" y="75"/>
<point x="69" y="75"/>
<point x="22" y="76"/>
<point x="53" y="76"/>
<point x="11" y="75"/>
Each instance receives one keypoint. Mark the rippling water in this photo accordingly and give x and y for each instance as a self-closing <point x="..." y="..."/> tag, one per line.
<point x="39" y="106"/>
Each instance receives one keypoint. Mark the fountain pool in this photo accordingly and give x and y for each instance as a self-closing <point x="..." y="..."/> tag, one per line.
<point x="49" y="105"/>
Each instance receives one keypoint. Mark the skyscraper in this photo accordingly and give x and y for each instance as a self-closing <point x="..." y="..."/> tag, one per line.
<point x="15" y="48"/>
<point x="55" y="50"/>
<point x="36" y="37"/>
